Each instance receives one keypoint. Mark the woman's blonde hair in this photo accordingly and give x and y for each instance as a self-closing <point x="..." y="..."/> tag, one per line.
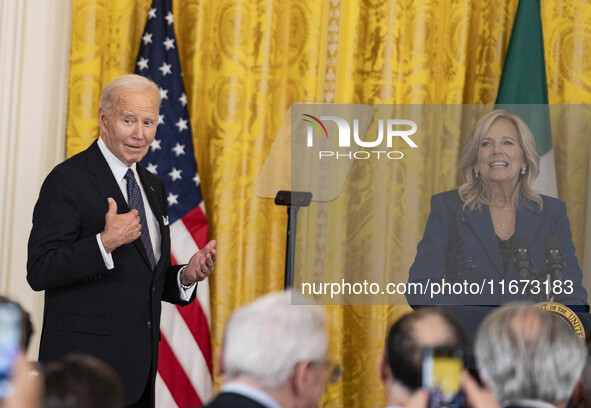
<point x="472" y="192"/>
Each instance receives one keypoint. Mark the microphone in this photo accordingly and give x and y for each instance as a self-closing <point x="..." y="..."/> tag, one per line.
<point x="555" y="265"/>
<point x="522" y="260"/>
<point x="521" y="257"/>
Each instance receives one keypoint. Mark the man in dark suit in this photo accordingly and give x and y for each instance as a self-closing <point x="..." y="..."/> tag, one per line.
<point x="100" y="246"/>
<point x="275" y="355"/>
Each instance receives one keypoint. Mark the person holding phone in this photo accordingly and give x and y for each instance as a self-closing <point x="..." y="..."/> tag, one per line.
<point x="20" y="384"/>
<point x="27" y="385"/>
<point x="26" y="325"/>
<point x="408" y="338"/>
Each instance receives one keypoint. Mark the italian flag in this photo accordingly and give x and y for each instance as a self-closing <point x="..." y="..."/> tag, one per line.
<point x="523" y="89"/>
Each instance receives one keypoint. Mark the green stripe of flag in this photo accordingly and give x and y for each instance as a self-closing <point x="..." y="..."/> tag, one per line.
<point x="524" y="74"/>
<point x="523" y="89"/>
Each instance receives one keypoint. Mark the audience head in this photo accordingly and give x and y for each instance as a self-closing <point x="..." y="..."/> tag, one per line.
<point x="81" y="381"/>
<point x="582" y="393"/>
<point x="526" y="353"/>
<point x="278" y="347"/>
<point x="26" y="324"/>
<point x="407" y="337"/>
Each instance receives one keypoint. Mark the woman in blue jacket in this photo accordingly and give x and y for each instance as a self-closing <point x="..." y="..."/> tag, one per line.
<point x="471" y="231"/>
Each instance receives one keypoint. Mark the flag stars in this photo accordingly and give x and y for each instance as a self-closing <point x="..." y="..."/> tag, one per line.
<point x="151" y="167"/>
<point x="172" y="199"/>
<point x="155" y="145"/>
<point x="152" y="13"/>
<point x="179" y="149"/>
<point x="169" y="18"/>
<point x="175" y="174"/>
<point x="168" y="43"/>
<point x="147" y="38"/>
<point x="183" y="99"/>
<point x="161" y="118"/>
<point x="197" y="180"/>
<point x="143" y="63"/>
<point x="182" y="124"/>
<point x="163" y="93"/>
<point x="165" y="69"/>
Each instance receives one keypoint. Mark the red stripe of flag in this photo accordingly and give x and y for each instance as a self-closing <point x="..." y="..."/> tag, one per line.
<point x="196" y="321"/>
<point x="175" y="378"/>
<point x="196" y="223"/>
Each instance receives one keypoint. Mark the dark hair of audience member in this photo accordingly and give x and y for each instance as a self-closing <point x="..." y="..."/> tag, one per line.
<point x="26" y="324"/>
<point x="81" y="381"/>
<point x="405" y="355"/>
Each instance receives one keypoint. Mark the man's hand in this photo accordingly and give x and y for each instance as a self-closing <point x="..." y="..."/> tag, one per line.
<point x="477" y="396"/>
<point x="200" y="265"/>
<point x="28" y="386"/>
<point x="120" y="229"/>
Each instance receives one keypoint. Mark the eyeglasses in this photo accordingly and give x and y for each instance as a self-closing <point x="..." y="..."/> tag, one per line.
<point x="335" y="371"/>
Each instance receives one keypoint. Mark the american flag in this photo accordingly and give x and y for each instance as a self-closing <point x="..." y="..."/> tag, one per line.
<point x="184" y="370"/>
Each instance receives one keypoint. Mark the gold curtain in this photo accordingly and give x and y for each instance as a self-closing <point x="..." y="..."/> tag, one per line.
<point x="245" y="62"/>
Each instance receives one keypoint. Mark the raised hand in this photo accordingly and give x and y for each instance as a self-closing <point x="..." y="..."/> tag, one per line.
<point x="120" y="229"/>
<point x="200" y="265"/>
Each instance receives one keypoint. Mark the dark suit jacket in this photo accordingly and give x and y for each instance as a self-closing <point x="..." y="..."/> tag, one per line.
<point x="232" y="400"/>
<point x="111" y="314"/>
<point x="461" y="245"/>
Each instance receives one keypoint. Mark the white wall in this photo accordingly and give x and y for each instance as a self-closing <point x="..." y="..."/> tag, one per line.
<point x="34" y="62"/>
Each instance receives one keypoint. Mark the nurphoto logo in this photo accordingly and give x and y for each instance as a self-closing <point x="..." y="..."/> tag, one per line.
<point x="387" y="128"/>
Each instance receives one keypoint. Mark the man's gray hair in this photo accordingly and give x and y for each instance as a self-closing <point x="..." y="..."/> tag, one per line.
<point x="526" y="353"/>
<point x="131" y="82"/>
<point x="586" y="379"/>
<point x="267" y="338"/>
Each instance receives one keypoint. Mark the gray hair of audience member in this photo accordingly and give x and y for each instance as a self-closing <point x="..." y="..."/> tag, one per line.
<point x="81" y="381"/>
<point x="582" y="393"/>
<point x="266" y="339"/>
<point x="131" y="83"/>
<point x="526" y="353"/>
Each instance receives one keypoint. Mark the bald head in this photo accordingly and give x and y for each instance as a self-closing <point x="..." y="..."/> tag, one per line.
<point x="422" y="328"/>
<point x="433" y="330"/>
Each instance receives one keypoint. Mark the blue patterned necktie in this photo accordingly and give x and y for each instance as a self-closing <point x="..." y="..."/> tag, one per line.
<point x="135" y="201"/>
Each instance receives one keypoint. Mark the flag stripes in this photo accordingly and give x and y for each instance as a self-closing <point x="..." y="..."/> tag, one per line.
<point x="171" y="371"/>
<point x="185" y="369"/>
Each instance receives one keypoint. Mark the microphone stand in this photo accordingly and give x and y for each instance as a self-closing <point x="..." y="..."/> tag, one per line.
<point x="293" y="200"/>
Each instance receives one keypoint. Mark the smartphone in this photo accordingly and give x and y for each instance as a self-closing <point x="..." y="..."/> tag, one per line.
<point x="10" y="334"/>
<point x="441" y="371"/>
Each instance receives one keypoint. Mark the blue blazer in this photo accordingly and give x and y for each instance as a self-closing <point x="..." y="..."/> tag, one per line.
<point x="461" y="245"/>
